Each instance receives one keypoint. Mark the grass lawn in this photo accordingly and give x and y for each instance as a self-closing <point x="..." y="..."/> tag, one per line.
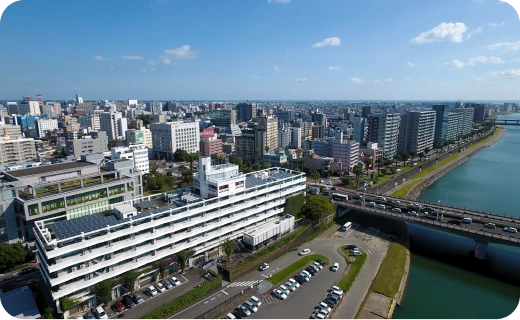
<point x="401" y="193"/>
<point x="293" y="268"/>
<point x="347" y="279"/>
<point x="391" y="272"/>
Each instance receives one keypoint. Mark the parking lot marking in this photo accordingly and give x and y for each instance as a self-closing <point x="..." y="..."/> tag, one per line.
<point x="263" y="275"/>
<point x="225" y="292"/>
<point x="370" y="233"/>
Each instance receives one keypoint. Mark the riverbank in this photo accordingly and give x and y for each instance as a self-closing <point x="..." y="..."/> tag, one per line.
<point x="415" y="185"/>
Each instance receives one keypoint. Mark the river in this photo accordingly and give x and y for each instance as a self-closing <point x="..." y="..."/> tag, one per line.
<point x="445" y="281"/>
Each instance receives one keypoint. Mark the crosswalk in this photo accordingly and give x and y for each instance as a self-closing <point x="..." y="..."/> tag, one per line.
<point x="270" y="300"/>
<point x="243" y="283"/>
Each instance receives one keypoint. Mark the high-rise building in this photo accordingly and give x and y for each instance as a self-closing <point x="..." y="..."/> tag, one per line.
<point x="284" y="137"/>
<point x="90" y="121"/>
<point x="467" y="120"/>
<point x="360" y="130"/>
<point x="78" y="98"/>
<point x="42" y="126"/>
<point x="167" y="137"/>
<point x="296" y="137"/>
<point x="245" y="144"/>
<point x="384" y="129"/>
<point x="447" y="124"/>
<point x="95" y="142"/>
<point x="319" y="118"/>
<point x="113" y="124"/>
<point x="244" y="111"/>
<point x="29" y="108"/>
<point x="318" y="132"/>
<point x="347" y="152"/>
<point x="366" y="110"/>
<point x="48" y="110"/>
<point x="480" y="112"/>
<point x="417" y="131"/>
<point x="17" y="150"/>
<point x="266" y="136"/>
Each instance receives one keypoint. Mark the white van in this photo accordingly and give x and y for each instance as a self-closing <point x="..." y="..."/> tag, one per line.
<point x="346" y="226"/>
<point x="100" y="313"/>
<point x="256" y="301"/>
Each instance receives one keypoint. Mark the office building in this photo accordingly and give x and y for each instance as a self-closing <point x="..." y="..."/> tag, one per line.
<point x="29" y="108"/>
<point x="318" y="132"/>
<point x="10" y="130"/>
<point x="416" y="132"/>
<point x="113" y="124"/>
<point x="284" y="137"/>
<point x="360" y="130"/>
<point x="366" y="110"/>
<point x="138" y="153"/>
<point x="95" y="142"/>
<point x="245" y="145"/>
<point x="42" y="126"/>
<point x="296" y="137"/>
<point x="90" y="121"/>
<point x="345" y="151"/>
<point x="384" y="129"/>
<point x="245" y="111"/>
<point x="75" y="254"/>
<point x="17" y="150"/>
<point x="211" y="146"/>
<point x="167" y="137"/>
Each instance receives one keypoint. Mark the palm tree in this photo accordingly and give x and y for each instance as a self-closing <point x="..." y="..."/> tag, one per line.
<point x="397" y="157"/>
<point x="379" y="162"/>
<point x="315" y="175"/>
<point x="426" y="151"/>
<point x="421" y="155"/>
<point x="358" y="171"/>
<point x="228" y="246"/>
<point x="302" y="162"/>
<point x="368" y="162"/>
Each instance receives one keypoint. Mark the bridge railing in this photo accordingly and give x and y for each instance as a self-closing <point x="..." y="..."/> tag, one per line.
<point x="439" y="223"/>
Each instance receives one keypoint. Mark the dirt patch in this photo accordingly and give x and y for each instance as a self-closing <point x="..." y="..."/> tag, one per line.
<point x="377" y="306"/>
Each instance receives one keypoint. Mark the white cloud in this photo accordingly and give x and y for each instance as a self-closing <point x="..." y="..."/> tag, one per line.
<point x="411" y="65"/>
<point x="132" y="57"/>
<point x="508" y="46"/>
<point x="456" y="64"/>
<point x="474" y="31"/>
<point x="335" y="68"/>
<point x="254" y="77"/>
<point x="504" y="74"/>
<point x="334" y="41"/>
<point x="183" y="52"/>
<point x="276" y="68"/>
<point x="100" y="58"/>
<point x="301" y="80"/>
<point x="493" y="24"/>
<point x="361" y="81"/>
<point x="281" y="70"/>
<point x="143" y="71"/>
<point x="452" y="32"/>
<point x="278" y="1"/>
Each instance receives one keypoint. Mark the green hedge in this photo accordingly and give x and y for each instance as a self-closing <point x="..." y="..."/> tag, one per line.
<point x="318" y="232"/>
<point x="184" y="300"/>
<point x="286" y="272"/>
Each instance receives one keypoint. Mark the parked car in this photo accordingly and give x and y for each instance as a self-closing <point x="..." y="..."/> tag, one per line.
<point x="510" y="229"/>
<point x="167" y="284"/>
<point x="321" y="262"/>
<point x="413" y="213"/>
<point x="335" y="267"/>
<point x="152" y="291"/>
<point x="307" y="273"/>
<point x="119" y="306"/>
<point x="244" y="310"/>
<point x="290" y="285"/>
<point x="324" y="306"/>
<point x="305" y="277"/>
<point x="293" y="281"/>
<point x="256" y="301"/>
<point x="304" y="252"/>
<point x="381" y="198"/>
<point x="336" y="288"/>
<point x="264" y="266"/>
<point x="89" y="315"/>
<point x="279" y="294"/>
<point x="251" y="306"/>
<point x="351" y="246"/>
<point x="99" y="312"/>
<point x="317" y="314"/>
<point x="284" y="289"/>
<point x="300" y="279"/>
<point x="137" y="297"/>
<point x="230" y="316"/>
<point x="356" y="253"/>
<point x="175" y="281"/>
<point x="160" y="287"/>
<point x="316" y="265"/>
<point x="128" y="302"/>
<point x="312" y="270"/>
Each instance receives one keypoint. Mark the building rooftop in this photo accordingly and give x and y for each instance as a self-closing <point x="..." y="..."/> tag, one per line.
<point x="253" y="180"/>
<point x="20" y="303"/>
<point x="48" y="168"/>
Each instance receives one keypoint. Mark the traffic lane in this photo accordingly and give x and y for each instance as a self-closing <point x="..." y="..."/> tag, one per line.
<point x="15" y="280"/>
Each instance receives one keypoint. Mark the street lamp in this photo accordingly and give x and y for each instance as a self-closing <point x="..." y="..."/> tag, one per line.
<point x="364" y="195"/>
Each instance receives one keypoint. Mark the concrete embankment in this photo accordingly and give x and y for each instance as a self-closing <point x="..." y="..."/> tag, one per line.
<point x="416" y="191"/>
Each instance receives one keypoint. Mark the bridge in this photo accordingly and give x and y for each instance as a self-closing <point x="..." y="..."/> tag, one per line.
<point x="443" y="217"/>
<point x="504" y="122"/>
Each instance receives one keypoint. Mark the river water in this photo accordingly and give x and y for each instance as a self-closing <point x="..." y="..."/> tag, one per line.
<point x="445" y="280"/>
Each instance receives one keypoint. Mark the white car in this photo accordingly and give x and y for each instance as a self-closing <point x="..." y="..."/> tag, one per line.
<point x="244" y="310"/>
<point x="160" y="287"/>
<point x="510" y="229"/>
<point x="152" y="291"/>
<point x="324" y="306"/>
<point x="264" y="266"/>
<point x="175" y="281"/>
<point x="296" y="283"/>
<point x="335" y="267"/>
<point x="381" y="198"/>
<point x="381" y="206"/>
<point x="279" y="294"/>
<point x="396" y="210"/>
<point x="336" y="288"/>
<point x="318" y="315"/>
<point x="413" y="213"/>
<point x="304" y="252"/>
<point x="284" y="289"/>
<point x="290" y="285"/>
<point x="251" y="306"/>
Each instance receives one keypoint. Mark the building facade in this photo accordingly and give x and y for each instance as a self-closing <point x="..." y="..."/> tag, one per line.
<point x="75" y="254"/>
<point x="96" y="142"/>
<point x="417" y="131"/>
<point x="113" y="124"/>
<point x="167" y="137"/>
<point x="138" y="153"/>
<point x="42" y="126"/>
<point x="17" y="150"/>
<point x="384" y="129"/>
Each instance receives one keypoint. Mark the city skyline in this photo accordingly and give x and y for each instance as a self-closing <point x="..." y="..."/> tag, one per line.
<point x="262" y="50"/>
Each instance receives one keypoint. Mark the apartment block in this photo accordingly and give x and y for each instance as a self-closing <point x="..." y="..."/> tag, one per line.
<point x="75" y="254"/>
<point x="417" y="131"/>
<point x="42" y="126"/>
<point x="266" y="136"/>
<point x="17" y="150"/>
<point x="384" y="129"/>
<point x="96" y="142"/>
<point x="138" y="153"/>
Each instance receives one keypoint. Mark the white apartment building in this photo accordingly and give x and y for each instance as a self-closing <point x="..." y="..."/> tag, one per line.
<point x="42" y="126"/>
<point x="90" y="121"/>
<point x="17" y="151"/>
<point x="296" y="137"/>
<point x="284" y="138"/>
<point x="347" y="152"/>
<point x="113" y="124"/>
<point x="29" y="108"/>
<point x="384" y="129"/>
<point x="167" y="137"/>
<point x="75" y="254"/>
<point x="417" y="131"/>
<point x="138" y="153"/>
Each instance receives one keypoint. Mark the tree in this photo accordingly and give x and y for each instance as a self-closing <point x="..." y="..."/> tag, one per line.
<point x="67" y="303"/>
<point x="11" y="254"/>
<point x="358" y="171"/>
<point x="228" y="246"/>
<point x="103" y="289"/>
<point x="397" y="157"/>
<point x="302" y="162"/>
<point x="129" y="279"/>
<point x="427" y="151"/>
<point x="368" y="162"/>
<point x="162" y="264"/>
<point x="315" y="175"/>
<point x="182" y="256"/>
<point x="379" y="162"/>
<point x="331" y="171"/>
<point x="266" y="165"/>
<point x="421" y="155"/>
<point x="318" y="207"/>
<point x="266" y="148"/>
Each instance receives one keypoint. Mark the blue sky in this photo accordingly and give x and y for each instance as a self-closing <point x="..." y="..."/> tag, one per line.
<point x="261" y="50"/>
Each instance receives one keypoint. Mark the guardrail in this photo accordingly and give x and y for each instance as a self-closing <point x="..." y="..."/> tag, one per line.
<point x="440" y="223"/>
